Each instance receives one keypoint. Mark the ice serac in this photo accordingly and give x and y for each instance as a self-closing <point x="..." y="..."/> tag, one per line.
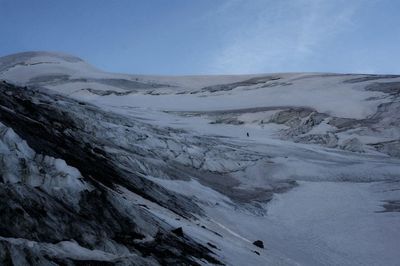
<point x="116" y="169"/>
<point x="49" y="201"/>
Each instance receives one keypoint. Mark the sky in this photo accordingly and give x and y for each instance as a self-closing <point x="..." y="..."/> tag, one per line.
<point x="181" y="37"/>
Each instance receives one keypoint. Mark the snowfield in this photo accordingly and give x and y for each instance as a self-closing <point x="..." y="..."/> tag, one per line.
<point x="149" y="170"/>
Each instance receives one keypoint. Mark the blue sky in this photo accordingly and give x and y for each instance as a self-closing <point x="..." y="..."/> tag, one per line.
<point x="175" y="37"/>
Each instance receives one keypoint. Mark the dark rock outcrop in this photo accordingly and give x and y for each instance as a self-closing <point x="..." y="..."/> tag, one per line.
<point x="258" y="243"/>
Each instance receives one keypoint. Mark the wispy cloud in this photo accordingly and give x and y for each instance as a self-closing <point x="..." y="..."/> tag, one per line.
<point x="270" y="36"/>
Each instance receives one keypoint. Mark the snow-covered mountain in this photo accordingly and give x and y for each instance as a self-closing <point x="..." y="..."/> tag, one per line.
<point x="122" y="169"/>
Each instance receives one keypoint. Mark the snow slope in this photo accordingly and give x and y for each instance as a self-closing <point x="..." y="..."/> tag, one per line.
<point x="317" y="179"/>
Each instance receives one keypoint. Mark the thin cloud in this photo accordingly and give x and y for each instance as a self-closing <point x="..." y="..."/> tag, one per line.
<point x="271" y="36"/>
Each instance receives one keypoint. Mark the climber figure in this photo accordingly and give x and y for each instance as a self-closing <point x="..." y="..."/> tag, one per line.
<point x="248" y="134"/>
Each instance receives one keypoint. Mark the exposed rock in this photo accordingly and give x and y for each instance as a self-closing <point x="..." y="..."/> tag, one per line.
<point x="258" y="243"/>
<point x="178" y="231"/>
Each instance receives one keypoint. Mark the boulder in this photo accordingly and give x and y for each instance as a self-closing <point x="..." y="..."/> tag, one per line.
<point x="258" y="243"/>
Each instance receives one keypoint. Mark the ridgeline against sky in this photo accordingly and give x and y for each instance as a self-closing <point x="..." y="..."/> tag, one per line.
<point x="210" y="37"/>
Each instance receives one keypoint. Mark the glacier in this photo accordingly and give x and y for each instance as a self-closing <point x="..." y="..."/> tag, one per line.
<point x="102" y="168"/>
